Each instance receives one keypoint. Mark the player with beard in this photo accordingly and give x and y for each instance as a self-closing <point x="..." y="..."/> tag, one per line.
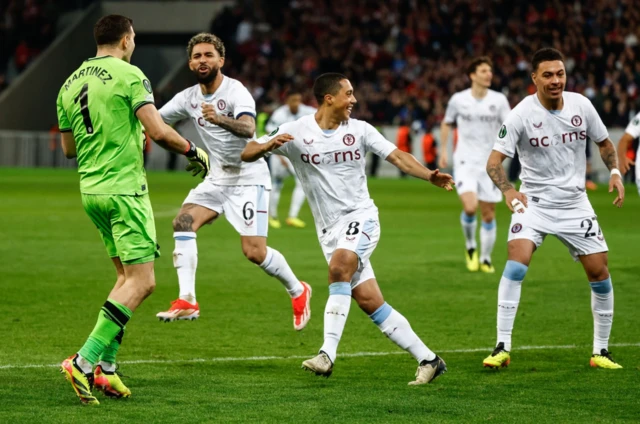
<point x="223" y="113"/>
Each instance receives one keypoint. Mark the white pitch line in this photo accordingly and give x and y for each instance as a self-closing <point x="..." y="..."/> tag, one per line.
<point x="284" y="358"/>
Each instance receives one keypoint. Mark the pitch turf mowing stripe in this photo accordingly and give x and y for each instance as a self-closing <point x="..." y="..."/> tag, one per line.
<point x="284" y="358"/>
<point x="166" y="214"/>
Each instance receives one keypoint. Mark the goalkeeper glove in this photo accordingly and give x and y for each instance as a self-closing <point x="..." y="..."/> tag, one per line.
<point x="198" y="160"/>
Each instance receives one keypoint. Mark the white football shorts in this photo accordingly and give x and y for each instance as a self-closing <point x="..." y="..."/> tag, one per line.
<point x="577" y="228"/>
<point x="358" y="232"/>
<point x="473" y="178"/>
<point x="245" y="207"/>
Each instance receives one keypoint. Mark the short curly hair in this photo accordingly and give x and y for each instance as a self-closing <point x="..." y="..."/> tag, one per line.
<point x="205" y="37"/>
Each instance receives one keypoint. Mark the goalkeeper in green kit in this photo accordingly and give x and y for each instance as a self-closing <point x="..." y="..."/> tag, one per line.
<point x="101" y="109"/>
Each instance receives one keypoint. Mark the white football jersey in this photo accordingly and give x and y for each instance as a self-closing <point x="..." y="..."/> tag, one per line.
<point x="633" y="129"/>
<point x="283" y="114"/>
<point x="233" y="100"/>
<point x="331" y="167"/>
<point x="478" y="122"/>
<point x="551" y="147"/>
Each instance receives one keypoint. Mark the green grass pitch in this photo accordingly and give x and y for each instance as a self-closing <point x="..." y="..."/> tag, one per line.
<point x="55" y="275"/>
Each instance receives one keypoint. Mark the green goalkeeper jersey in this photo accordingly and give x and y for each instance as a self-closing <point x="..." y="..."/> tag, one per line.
<point x="98" y="103"/>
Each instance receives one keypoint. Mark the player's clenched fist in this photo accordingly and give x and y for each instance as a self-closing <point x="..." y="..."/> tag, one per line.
<point x="198" y="160"/>
<point x="279" y="141"/>
<point x="441" y="180"/>
<point x="516" y="201"/>
<point x="209" y="113"/>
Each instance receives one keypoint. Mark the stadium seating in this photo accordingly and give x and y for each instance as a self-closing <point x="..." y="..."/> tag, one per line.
<point x="407" y="58"/>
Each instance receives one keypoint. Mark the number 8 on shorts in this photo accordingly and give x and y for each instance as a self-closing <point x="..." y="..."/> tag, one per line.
<point x="360" y="236"/>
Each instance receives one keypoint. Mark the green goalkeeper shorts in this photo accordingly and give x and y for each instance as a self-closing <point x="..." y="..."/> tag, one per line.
<point x="125" y="224"/>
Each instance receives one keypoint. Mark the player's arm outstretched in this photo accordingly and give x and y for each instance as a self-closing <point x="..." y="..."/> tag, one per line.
<point x="610" y="158"/>
<point x="515" y="200"/>
<point x="167" y="138"/>
<point x="254" y="150"/>
<point x="408" y="164"/>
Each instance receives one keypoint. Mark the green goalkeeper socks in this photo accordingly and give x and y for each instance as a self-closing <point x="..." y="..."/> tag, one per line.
<point x="111" y="321"/>
<point x="109" y="353"/>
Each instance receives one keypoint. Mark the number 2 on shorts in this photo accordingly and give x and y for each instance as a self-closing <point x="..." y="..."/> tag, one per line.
<point x="589" y="224"/>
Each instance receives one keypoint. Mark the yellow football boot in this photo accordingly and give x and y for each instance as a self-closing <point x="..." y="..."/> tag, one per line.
<point x="486" y="267"/>
<point x="82" y="383"/>
<point x="109" y="383"/>
<point x="295" y="222"/>
<point x="498" y="358"/>
<point x="473" y="264"/>
<point x="604" y="360"/>
<point x="274" y="223"/>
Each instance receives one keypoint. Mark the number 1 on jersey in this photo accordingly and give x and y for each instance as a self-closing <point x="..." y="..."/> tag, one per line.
<point x="83" y="97"/>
